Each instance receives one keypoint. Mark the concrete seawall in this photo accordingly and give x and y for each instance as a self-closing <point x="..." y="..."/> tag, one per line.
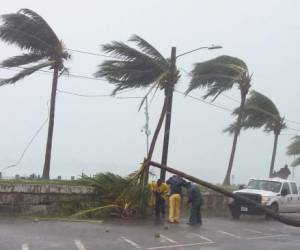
<point x="42" y="199"/>
<point x="49" y="199"/>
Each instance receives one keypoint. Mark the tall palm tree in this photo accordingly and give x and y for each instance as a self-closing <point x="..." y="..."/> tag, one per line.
<point x="261" y="112"/>
<point x="219" y="75"/>
<point x="30" y="32"/>
<point x="141" y="67"/>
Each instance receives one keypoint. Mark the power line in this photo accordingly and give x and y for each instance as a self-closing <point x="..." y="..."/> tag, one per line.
<point x="206" y="102"/>
<point x="230" y="98"/>
<point x="292" y="121"/>
<point x="101" y="95"/>
<point x="28" y="144"/>
<point x="81" y="95"/>
<point x="108" y="95"/>
<point x="89" y="53"/>
<point x="65" y="75"/>
<point x="294" y="129"/>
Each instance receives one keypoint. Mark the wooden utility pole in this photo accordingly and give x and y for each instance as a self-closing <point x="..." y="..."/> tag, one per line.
<point x="169" y="98"/>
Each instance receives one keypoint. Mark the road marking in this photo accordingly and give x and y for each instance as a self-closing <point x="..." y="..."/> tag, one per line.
<point x="132" y="243"/>
<point x="183" y="245"/>
<point x="266" y="236"/>
<point x="202" y="237"/>
<point x="168" y="239"/>
<point x="230" y="234"/>
<point x="25" y="247"/>
<point x="255" y="231"/>
<point x="79" y="245"/>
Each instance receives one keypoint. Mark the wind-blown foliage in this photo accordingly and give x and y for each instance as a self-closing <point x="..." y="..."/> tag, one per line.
<point x="217" y="76"/>
<point x="141" y="67"/>
<point x="30" y="32"/>
<point x="294" y="149"/>
<point x="119" y="196"/>
<point x="260" y="112"/>
<point x="134" y="68"/>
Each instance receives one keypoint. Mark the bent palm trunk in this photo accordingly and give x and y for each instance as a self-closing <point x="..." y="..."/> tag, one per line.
<point x="46" y="170"/>
<point x="153" y="142"/>
<point x="226" y="181"/>
<point x="273" y="154"/>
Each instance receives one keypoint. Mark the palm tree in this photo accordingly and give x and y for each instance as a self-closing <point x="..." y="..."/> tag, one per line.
<point x="141" y="67"/>
<point x="261" y="112"/>
<point x="219" y="75"/>
<point x="294" y="149"/>
<point x="30" y="32"/>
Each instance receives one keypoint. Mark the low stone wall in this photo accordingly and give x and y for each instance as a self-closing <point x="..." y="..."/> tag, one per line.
<point x="215" y="201"/>
<point x="215" y="204"/>
<point x="40" y="199"/>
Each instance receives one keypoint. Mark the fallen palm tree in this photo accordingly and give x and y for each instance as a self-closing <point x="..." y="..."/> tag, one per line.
<point x="267" y="211"/>
<point x="116" y="196"/>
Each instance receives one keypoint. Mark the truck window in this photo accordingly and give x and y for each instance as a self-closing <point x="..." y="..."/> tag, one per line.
<point x="273" y="186"/>
<point x="287" y="187"/>
<point x="294" y="188"/>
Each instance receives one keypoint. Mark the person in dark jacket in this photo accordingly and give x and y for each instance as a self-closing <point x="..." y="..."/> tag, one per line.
<point x="176" y="183"/>
<point x="196" y="200"/>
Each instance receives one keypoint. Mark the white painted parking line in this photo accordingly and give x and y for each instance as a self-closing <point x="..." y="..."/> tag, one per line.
<point x="25" y="247"/>
<point x="79" y="245"/>
<point x="182" y="245"/>
<point x="132" y="243"/>
<point x="266" y="236"/>
<point x="168" y="239"/>
<point x="201" y="237"/>
<point x="229" y="234"/>
<point x="255" y="231"/>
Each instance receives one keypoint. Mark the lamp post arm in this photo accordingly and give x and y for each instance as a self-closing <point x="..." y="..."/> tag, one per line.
<point x="191" y="51"/>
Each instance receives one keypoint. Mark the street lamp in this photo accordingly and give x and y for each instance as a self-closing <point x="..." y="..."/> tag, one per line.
<point x="191" y="51"/>
<point x="169" y="97"/>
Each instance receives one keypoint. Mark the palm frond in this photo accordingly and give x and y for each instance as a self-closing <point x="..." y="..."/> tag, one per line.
<point x="24" y="59"/>
<point x="218" y="75"/>
<point x="147" y="94"/>
<point x="48" y="31"/>
<point x="148" y="49"/>
<point x="296" y="162"/>
<point x="294" y="147"/>
<point x="129" y="74"/>
<point x="24" y="30"/>
<point x="230" y="129"/>
<point x="260" y="111"/>
<point x="133" y="68"/>
<point x="25" y="72"/>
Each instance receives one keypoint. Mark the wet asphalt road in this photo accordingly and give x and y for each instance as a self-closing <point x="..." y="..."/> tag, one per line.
<point x="214" y="234"/>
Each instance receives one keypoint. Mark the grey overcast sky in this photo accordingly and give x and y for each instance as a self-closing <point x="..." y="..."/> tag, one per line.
<point x="104" y="134"/>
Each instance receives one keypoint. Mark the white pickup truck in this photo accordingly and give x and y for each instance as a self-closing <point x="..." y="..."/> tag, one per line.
<point x="282" y="196"/>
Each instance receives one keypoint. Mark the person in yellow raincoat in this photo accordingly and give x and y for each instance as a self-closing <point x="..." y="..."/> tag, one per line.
<point x="159" y="195"/>
<point x="176" y="183"/>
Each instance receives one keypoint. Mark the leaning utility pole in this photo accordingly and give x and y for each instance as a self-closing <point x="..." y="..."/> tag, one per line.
<point x="169" y="97"/>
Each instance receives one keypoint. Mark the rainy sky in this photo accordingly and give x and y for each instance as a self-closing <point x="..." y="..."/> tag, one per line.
<point x="94" y="133"/>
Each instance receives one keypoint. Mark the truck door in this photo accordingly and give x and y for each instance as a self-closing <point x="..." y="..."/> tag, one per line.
<point x="295" y="198"/>
<point x="285" y="199"/>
